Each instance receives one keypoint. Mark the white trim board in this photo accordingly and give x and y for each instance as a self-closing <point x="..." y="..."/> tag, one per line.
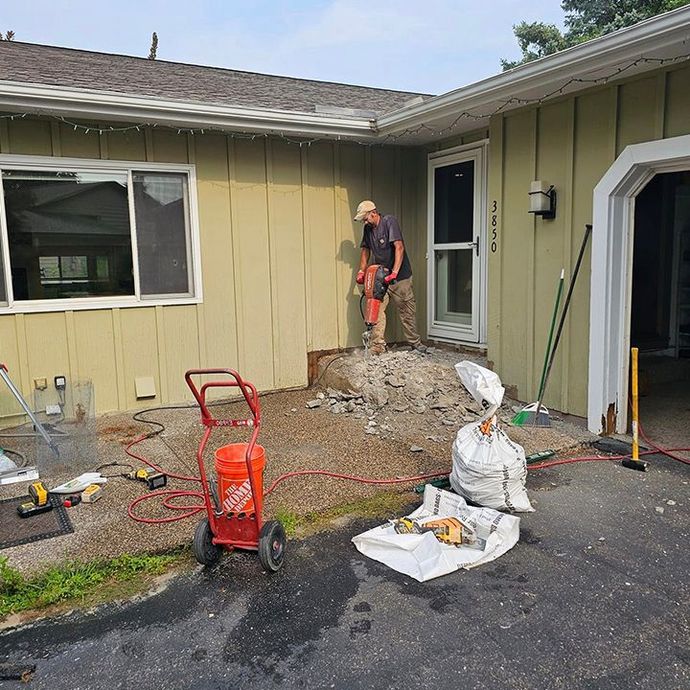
<point x="611" y="276"/>
<point x="477" y="151"/>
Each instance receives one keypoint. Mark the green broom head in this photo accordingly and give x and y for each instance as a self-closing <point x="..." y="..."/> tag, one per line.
<point x="528" y="416"/>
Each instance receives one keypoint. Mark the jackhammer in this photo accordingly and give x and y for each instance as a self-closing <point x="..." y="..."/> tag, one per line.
<point x="375" y="288"/>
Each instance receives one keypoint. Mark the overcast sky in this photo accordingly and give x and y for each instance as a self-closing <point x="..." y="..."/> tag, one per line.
<point x="430" y="46"/>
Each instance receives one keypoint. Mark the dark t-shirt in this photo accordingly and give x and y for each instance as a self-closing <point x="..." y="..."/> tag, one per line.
<point x="379" y="241"/>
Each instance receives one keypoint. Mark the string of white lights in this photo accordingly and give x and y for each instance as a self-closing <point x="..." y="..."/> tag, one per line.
<point x="390" y="138"/>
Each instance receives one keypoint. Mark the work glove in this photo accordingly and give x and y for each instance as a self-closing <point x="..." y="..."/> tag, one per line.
<point x="360" y="278"/>
<point x="390" y="278"/>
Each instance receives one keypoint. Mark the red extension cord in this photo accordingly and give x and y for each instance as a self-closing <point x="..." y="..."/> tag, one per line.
<point x="170" y="496"/>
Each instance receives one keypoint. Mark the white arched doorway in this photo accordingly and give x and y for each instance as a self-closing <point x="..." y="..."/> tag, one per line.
<point x="611" y="277"/>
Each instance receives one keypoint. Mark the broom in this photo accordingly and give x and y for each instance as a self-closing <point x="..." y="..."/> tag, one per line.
<point x="535" y="414"/>
<point x="542" y="419"/>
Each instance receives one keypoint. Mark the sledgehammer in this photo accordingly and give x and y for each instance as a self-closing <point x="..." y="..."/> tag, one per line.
<point x="634" y="463"/>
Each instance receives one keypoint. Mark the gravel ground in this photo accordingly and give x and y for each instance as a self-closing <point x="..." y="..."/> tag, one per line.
<point x="401" y="442"/>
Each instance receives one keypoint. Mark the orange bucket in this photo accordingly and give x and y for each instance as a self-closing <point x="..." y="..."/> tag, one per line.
<point x="234" y="489"/>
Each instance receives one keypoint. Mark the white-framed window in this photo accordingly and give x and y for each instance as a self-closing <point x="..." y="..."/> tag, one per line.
<point x="89" y="234"/>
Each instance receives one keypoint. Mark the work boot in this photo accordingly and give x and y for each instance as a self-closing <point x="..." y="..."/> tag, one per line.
<point x="419" y="347"/>
<point x="377" y="349"/>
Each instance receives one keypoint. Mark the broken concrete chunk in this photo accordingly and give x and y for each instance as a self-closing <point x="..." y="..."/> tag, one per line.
<point x="436" y="439"/>
<point x="418" y="391"/>
<point x="350" y="406"/>
<point x="320" y="396"/>
<point x="400" y="406"/>
<point x="314" y="403"/>
<point x="443" y="403"/>
<point x="371" y="431"/>
<point x="395" y="381"/>
<point x="416" y="449"/>
<point x="375" y="395"/>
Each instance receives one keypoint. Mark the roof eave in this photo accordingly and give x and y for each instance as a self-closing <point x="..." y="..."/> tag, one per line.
<point x="627" y="44"/>
<point x="110" y="106"/>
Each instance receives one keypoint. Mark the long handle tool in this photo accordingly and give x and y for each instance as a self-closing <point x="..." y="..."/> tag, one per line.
<point x="576" y="270"/>
<point x="37" y="425"/>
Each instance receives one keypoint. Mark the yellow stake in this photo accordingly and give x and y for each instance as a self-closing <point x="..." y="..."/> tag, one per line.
<point x="635" y="443"/>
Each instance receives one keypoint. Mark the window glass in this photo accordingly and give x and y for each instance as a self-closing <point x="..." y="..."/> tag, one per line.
<point x="454" y="203"/>
<point x="69" y="234"/>
<point x="160" y="203"/>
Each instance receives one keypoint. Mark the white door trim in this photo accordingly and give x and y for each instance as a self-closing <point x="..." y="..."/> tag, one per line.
<point x="611" y="277"/>
<point x="477" y="151"/>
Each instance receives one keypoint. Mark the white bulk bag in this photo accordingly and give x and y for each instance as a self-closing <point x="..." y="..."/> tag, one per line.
<point x="488" y="468"/>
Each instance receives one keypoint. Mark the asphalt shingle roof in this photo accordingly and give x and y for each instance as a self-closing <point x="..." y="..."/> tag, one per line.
<point x="27" y="62"/>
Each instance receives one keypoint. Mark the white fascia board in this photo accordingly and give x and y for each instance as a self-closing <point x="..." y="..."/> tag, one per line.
<point x="626" y="45"/>
<point x="108" y="105"/>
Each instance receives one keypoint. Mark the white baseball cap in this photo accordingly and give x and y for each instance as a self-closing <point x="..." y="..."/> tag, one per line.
<point x="364" y="207"/>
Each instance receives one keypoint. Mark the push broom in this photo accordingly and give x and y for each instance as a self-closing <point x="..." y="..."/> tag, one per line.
<point x="532" y="415"/>
<point x="529" y="416"/>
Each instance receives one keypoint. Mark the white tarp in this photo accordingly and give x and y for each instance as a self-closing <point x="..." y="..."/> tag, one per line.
<point x="422" y="556"/>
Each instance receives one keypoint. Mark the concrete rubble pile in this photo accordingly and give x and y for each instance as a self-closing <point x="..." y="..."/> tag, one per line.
<point x="385" y="390"/>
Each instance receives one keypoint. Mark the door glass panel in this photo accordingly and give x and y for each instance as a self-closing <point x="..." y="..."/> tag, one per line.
<point x="454" y="285"/>
<point x="454" y="203"/>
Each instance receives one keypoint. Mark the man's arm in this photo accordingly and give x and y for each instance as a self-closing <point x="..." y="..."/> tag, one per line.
<point x="364" y="259"/>
<point x="399" y="254"/>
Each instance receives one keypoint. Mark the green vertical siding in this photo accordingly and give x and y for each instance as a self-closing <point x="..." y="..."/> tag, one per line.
<point x="570" y="143"/>
<point x="279" y="251"/>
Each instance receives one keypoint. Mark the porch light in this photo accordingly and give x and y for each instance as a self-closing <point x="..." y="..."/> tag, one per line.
<point x="542" y="199"/>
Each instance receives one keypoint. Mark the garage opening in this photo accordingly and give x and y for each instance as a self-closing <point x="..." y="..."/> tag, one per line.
<point x="660" y="313"/>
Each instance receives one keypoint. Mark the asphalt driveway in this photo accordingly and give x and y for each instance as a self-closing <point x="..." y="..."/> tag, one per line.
<point x="595" y="595"/>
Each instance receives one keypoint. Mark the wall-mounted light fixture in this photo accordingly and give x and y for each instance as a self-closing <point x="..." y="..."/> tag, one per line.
<point x="542" y="199"/>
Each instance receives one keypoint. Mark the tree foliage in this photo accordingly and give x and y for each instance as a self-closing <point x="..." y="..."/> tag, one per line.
<point x="584" y="20"/>
<point x="154" y="46"/>
<point x="8" y="36"/>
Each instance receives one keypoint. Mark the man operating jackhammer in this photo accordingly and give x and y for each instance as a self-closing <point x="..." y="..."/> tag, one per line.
<point x="382" y="242"/>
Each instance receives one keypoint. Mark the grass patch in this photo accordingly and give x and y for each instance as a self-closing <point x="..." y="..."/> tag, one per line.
<point x="289" y="520"/>
<point x="382" y="505"/>
<point x="77" y="581"/>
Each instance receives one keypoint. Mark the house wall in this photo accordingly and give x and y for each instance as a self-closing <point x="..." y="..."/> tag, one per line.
<point x="570" y="142"/>
<point x="279" y="251"/>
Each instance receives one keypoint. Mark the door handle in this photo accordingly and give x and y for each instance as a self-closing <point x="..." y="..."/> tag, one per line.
<point x="475" y="244"/>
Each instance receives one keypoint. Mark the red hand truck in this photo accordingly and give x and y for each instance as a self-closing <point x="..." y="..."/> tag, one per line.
<point x="229" y="529"/>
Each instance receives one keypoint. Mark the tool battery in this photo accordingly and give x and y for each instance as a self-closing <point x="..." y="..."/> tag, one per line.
<point x="152" y="478"/>
<point x="91" y="493"/>
<point x="30" y="509"/>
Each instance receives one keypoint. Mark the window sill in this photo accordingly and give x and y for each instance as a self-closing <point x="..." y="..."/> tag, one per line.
<point x="94" y="303"/>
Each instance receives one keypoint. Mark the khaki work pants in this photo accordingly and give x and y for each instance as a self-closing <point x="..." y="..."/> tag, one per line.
<point x="403" y="297"/>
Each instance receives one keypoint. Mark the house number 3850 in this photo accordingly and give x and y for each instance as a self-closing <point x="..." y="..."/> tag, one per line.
<point x="494" y="226"/>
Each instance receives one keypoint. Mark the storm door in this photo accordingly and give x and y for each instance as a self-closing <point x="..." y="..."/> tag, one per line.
<point x="455" y="245"/>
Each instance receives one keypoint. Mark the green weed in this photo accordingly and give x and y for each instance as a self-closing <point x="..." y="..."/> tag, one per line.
<point x="381" y="505"/>
<point x="289" y="520"/>
<point x="75" y="580"/>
